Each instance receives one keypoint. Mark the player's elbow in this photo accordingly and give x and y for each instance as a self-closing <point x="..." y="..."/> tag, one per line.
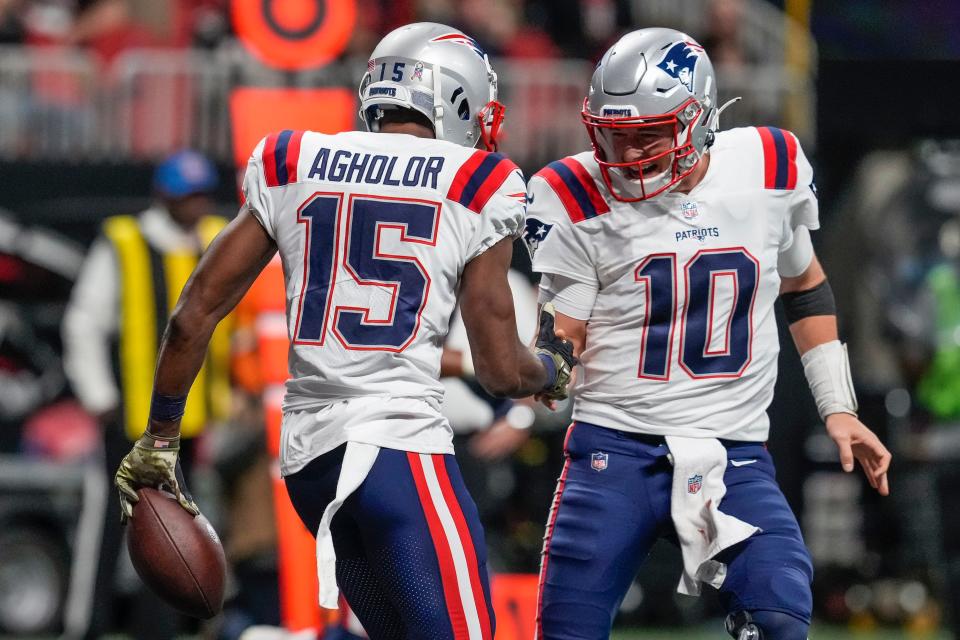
<point x="501" y="386"/>
<point x="187" y="322"/>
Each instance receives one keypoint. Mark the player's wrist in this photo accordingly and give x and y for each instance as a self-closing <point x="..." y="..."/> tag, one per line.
<point x="549" y="368"/>
<point x="827" y="369"/>
<point x="165" y="414"/>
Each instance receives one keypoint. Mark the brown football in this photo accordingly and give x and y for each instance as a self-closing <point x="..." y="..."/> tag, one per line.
<point x="177" y="555"/>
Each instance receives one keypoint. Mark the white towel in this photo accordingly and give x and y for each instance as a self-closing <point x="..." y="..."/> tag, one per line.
<point x="703" y="530"/>
<point x="358" y="459"/>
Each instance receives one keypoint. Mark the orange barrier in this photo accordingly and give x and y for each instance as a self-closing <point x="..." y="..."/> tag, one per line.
<point x="294" y="34"/>
<point x="515" y="603"/>
<point x="255" y="112"/>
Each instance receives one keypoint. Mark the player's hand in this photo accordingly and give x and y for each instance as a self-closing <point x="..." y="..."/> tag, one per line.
<point x="856" y="441"/>
<point x="151" y="463"/>
<point x="498" y="442"/>
<point x="556" y="354"/>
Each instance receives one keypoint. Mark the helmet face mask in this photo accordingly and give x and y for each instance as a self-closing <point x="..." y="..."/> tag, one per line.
<point x="668" y="155"/>
<point x="654" y="92"/>
<point x="439" y="72"/>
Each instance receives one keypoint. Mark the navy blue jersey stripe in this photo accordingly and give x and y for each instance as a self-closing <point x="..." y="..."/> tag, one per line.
<point x="577" y="190"/>
<point x="479" y="176"/>
<point x="280" y="156"/>
<point x="783" y="163"/>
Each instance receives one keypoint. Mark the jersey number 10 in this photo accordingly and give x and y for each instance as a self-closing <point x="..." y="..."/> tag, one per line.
<point x="367" y="264"/>
<point x="658" y="275"/>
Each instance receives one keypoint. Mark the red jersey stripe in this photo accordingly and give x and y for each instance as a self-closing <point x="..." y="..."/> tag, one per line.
<point x="791" y="159"/>
<point x="464" y="174"/>
<point x="269" y="160"/>
<point x="293" y="155"/>
<point x="769" y="158"/>
<point x="489" y="186"/>
<point x="589" y="185"/>
<point x="559" y="187"/>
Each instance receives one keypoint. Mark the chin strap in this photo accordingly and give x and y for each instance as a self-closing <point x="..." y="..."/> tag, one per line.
<point x="715" y="121"/>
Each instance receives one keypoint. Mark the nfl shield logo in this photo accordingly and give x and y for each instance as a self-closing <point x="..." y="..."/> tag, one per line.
<point x="598" y="461"/>
<point x="689" y="210"/>
<point x="694" y="483"/>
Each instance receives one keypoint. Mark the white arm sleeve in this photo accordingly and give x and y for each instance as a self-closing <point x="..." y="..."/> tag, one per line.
<point x="570" y="297"/>
<point x="89" y="325"/>
<point x="794" y="259"/>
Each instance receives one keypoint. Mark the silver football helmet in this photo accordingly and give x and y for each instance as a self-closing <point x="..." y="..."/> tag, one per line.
<point x="440" y="72"/>
<point x="651" y="83"/>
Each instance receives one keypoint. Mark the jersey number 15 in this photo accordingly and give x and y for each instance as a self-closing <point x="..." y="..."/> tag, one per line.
<point x="367" y="264"/>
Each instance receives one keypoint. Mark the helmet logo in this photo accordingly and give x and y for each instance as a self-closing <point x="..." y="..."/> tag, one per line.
<point x="418" y="71"/>
<point x="460" y="38"/>
<point x="680" y="62"/>
<point x="535" y="232"/>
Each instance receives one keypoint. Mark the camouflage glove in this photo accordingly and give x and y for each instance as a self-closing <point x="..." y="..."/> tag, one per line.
<point x="151" y="463"/>
<point x="556" y="355"/>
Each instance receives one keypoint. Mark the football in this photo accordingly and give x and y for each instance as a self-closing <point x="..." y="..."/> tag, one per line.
<point x="177" y="555"/>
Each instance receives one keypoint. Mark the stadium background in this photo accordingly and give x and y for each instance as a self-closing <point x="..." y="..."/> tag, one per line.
<point x="94" y="92"/>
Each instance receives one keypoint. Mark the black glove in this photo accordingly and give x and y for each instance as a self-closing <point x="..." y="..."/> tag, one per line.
<point x="556" y="355"/>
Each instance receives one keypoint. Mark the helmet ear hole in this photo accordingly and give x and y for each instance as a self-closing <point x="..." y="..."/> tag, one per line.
<point x="463" y="108"/>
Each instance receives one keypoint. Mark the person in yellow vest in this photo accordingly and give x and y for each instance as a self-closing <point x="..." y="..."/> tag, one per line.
<point x="127" y="288"/>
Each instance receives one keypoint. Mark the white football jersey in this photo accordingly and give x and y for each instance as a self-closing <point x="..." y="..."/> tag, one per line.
<point x="682" y="338"/>
<point x="374" y="230"/>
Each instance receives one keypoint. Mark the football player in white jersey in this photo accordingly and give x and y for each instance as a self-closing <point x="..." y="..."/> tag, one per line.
<point x="378" y="232"/>
<point x="663" y="251"/>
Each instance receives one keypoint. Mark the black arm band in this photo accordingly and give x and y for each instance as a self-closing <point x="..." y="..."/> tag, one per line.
<point x="812" y="302"/>
<point x="167" y="408"/>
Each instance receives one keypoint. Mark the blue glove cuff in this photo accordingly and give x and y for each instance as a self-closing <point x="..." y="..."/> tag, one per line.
<point x="551" y="368"/>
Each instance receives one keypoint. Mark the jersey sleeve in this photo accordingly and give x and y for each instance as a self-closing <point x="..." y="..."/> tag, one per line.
<point x="555" y="243"/>
<point x="502" y="214"/>
<point x="255" y="192"/>
<point x="787" y="172"/>
<point x="804" y="208"/>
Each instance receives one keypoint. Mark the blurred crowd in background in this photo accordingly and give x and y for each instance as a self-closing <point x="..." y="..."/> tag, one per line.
<point x="890" y="199"/>
<point x="505" y="28"/>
